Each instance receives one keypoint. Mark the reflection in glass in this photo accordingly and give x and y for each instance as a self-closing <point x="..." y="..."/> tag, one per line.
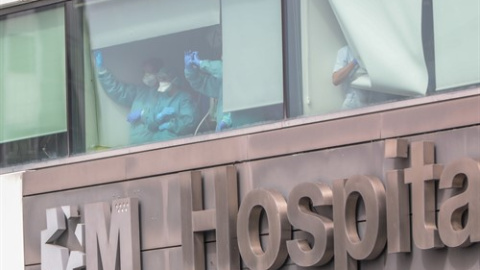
<point x="33" y="118"/>
<point x="357" y="54"/>
<point x="202" y="93"/>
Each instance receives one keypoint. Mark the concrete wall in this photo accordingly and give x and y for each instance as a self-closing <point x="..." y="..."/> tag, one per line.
<point x="277" y="159"/>
<point x="11" y="221"/>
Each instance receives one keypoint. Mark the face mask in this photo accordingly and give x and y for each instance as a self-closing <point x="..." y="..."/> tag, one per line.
<point x="149" y="80"/>
<point x="164" y="87"/>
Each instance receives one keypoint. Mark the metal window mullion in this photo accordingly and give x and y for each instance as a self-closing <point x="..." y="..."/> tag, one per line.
<point x="292" y="55"/>
<point x="75" y="79"/>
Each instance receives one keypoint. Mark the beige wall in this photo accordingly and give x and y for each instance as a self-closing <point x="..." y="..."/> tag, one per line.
<point x="6" y="1"/>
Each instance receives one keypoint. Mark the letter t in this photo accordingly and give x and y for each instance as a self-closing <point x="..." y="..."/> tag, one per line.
<point x="422" y="176"/>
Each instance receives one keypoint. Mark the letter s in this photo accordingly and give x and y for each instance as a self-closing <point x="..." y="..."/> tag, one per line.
<point x="320" y="227"/>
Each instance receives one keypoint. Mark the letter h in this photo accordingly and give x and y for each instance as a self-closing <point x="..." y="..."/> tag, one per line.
<point x="222" y="219"/>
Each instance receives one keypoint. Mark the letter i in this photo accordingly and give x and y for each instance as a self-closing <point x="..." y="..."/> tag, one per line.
<point x="398" y="201"/>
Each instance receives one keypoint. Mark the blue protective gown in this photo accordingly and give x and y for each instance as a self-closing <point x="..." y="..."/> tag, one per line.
<point x="207" y="79"/>
<point x="151" y="102"/>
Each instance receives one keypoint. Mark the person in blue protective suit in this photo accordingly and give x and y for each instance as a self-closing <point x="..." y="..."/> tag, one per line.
<point x="159" y="109"/>
<point x="206" y="77"/>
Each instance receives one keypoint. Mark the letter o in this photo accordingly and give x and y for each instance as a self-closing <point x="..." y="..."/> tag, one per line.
<point x="248" y="229"/>
<point x="372" y="191"/>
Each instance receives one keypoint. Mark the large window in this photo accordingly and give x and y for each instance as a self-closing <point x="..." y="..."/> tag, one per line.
<point x="361" y="53"/>
<point x="86" y="75"/>
<point x="167" y="69"/>
<point x="33" y="118"/>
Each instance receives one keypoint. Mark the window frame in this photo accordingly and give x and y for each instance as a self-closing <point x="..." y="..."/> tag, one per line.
<point x="19" y="7"/>
<point x="292" y="89"/>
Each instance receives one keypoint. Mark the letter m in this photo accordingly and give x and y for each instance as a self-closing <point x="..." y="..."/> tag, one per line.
<point x="113" y="235"/>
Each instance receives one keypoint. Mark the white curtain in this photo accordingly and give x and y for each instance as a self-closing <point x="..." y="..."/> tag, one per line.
<point x="32" y="75"/>
<point x="457" y="42"/>
<point x="121" y="21"/>
<point x="386" y="38"/>
<point x="252" y="53"/>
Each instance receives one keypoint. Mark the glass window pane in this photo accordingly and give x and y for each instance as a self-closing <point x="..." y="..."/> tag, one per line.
<point x="252" y="83"/>
<point x="361" y="53"/>
<point x="155" y="69"/>
<point x="32" y="85"/>
<point x="457" y="43"/>
<point x="386" y="44"/>
<point x="119" y="22"/>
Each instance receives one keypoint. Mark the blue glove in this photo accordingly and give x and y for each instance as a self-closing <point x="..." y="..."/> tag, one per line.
<point x="165" y="114"/>
<point x="134" y="116"/>
<point x="221" y="126"/>
<point x="195" y="60"/>
<point x="98" y="58"/>
<point x="354" y="61"/>
<point x="188" y="59"/>
<point x="164" y="126"/>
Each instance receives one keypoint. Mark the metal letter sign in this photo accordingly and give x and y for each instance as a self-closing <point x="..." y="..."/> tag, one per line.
<point x="326" y="216"/>
<point x="108" y="230"/>
<point x="112" y="237"/>
<point x="319" y="195"/>
<point x="349" y="247"/>
<point x="248" y="229"/>
<point x="222" y="219"/>
<point x="458" y="175"/>
<point x="422" y="176"/>
<point x="398" y="200"/>
<point x="62" y="241"/>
